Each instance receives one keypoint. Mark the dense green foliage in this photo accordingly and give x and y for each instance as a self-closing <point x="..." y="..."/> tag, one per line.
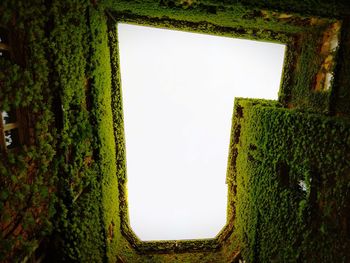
<point x="292" y="176"/>
<point x="302" y="94"/>
<point x="102" y="96"/>
<point x="27" y="174"/>
<point x="62" y="162"/>
<point x="79" y="232"/>
<point x="59" y="193"/>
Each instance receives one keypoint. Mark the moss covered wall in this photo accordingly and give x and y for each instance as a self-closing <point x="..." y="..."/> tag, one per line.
<point x="65" y="92"/>
<point x="78" y="234"/>
<point x="60" y="198"/>
<point x="292" y="176"/>
<point x="28" y="175"/>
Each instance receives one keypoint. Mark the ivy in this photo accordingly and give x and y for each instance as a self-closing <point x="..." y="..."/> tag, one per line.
<point x="288" y="183"/>
<point x="27" y="175"/>
<point x="60" y="191"/>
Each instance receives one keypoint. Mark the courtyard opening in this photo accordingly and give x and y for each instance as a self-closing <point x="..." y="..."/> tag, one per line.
<point x="178" y="90"/>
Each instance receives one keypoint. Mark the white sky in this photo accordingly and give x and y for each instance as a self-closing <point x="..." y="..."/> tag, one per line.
<point x="178" y="92"/>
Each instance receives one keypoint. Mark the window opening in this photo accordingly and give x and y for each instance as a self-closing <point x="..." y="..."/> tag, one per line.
<point x="329" y="46"/>
<point x="4" y="44"/>
<point x="10" y="134"/>
<point x="178" y="93"/>
<point x="10" y="129"/>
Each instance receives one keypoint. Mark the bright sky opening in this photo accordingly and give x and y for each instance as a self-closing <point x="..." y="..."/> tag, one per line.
<point x="178" y="93"/>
